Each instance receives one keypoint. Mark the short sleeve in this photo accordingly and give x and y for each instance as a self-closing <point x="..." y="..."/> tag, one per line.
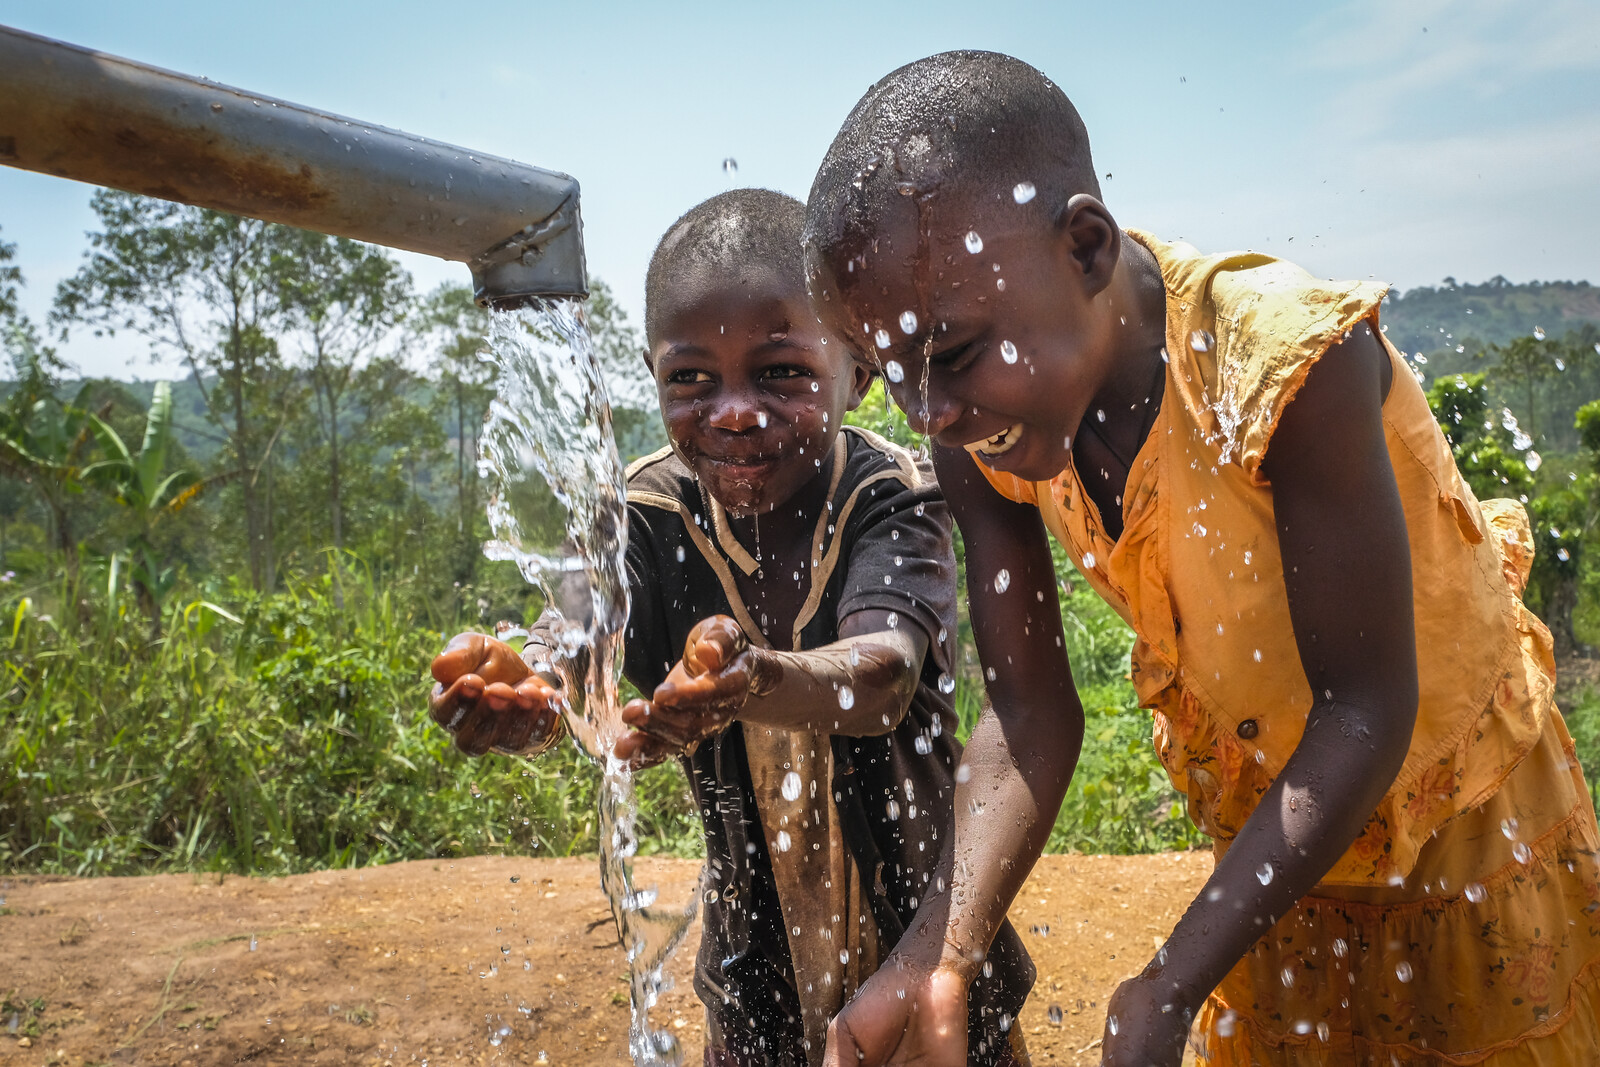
<point x="902" y="559"/>
<point x="647" y="652"/>
<point x="1008" y="485"/>
<point x="1272" y="322"/>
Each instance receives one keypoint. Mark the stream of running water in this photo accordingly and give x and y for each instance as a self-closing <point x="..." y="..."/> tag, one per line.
<point x="549" y="433"/>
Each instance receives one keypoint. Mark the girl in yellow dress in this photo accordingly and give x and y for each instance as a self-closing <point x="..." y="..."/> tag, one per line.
<point x="1329" y="632"/>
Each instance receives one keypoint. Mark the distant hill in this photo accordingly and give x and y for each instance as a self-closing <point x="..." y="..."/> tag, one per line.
<point x="1429" y="319"/>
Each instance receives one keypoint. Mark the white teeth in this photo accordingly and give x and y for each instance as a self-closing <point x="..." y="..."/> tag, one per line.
<point x="999" y="444"/>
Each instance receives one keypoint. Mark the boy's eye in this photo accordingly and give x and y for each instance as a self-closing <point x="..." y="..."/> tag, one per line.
<point x="783" y="371"/>
<point x="688" y="376"/>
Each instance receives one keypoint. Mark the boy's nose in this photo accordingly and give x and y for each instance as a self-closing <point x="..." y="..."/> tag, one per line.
<point x="736" y="414"/>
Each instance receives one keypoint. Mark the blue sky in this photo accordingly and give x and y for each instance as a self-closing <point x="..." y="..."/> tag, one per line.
<point x="1405" y="141"/>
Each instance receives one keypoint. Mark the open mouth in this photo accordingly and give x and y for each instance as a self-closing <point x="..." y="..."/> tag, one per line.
<point x="998" y="444"/>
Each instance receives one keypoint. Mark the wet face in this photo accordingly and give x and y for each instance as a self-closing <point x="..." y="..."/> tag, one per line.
<point x="995" y="335"/>
<point x="752" y="389"/>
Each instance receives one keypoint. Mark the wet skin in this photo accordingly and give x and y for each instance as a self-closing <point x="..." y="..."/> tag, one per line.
<point x="1085" y="309"/>
<point x="752" y="391"/>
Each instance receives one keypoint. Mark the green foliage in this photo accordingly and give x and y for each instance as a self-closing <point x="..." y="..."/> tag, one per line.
<point x="279" y="734"/>
<point x="1428" y="318"/>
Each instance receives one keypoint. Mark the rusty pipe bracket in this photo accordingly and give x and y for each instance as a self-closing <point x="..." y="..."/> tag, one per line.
<point x="92" y="117"/>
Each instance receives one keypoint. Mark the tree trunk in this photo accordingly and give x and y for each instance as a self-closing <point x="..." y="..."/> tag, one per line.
<point x="1558" y="610"/>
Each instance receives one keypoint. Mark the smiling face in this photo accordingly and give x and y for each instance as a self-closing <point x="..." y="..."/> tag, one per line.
<point x="752" y="388"/>
<point x="996" y="335"/>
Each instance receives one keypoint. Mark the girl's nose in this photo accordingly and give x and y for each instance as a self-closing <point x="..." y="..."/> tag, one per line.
<point x="928" y="413"/>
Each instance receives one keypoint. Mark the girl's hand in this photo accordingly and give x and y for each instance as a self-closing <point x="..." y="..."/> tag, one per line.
<point x="488" y="698"/>
<point x="1147" y="1023"/>
<point x="699" y="698"/>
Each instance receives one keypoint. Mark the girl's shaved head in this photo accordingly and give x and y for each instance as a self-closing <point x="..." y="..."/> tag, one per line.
<point x="959" y="127"/>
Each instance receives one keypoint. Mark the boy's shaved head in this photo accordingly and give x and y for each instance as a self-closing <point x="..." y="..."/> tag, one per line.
<point x="733" y="235"/>
<point x="956" y="126"/>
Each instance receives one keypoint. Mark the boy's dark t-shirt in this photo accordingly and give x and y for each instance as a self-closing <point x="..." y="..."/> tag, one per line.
<point x="886" y="546"/>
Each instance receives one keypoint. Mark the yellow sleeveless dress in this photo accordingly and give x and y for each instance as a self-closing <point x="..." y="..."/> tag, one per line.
<point x="1461" y="927"/>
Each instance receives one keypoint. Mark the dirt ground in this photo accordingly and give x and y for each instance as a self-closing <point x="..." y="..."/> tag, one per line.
<point x="486" y="960"/>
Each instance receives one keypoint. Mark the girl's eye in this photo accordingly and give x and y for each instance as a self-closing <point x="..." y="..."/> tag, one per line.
<point x="780" y="372"/>
<point x="957" y="357"/>
<point x="688" y="376"/>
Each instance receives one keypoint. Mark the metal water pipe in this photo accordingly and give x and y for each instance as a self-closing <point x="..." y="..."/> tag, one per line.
<point x="92" y="117"/>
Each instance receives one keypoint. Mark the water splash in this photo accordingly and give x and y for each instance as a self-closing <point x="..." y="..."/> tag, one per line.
<point x="549" y="435"/>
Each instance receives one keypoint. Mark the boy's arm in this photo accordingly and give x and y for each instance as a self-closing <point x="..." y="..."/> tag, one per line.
<point x="1021" y="757"/>
<point x="860" y="685"/>
<point x="1347" y="572"/>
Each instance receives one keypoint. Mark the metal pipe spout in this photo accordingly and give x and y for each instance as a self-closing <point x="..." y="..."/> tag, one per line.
<point x="92" y="117"/>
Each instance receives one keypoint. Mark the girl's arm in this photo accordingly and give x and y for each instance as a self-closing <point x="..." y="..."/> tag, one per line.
<point x="1015" y="773"/>
<point x="1347" y="569"/>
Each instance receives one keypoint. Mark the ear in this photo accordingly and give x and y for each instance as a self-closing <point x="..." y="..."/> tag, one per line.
<point x="649" y="361"/>
<point x="1092" y="238"/>
<point x="862" y="377"/>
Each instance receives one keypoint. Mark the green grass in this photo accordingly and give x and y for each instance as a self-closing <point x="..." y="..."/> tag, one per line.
<point x="278" y="734"/>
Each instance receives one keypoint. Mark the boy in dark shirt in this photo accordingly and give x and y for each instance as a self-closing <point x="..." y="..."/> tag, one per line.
<point x="809" y="578"/>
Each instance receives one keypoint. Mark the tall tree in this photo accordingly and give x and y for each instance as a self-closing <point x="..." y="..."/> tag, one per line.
<point x="344" y="298"/>
<point x="199" y="285"/>
<point x="458" y="331"/>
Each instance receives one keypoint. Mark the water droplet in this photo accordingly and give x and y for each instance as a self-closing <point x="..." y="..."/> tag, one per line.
<point x="1286" y="976"/>
<point x="1055" y="1014"/>
<point x="1008" y="351"/>
<point x="1264" y="874"/>
<point x="1509" y="827"/>
<point x="1341" y="947"/>
<point x="1402" y="971"/>
<point x="1563" y="555"/>
<point x="680" y="553"/>
<point x="974" y="242"/>
<point x="1201" y="340"/>
<point x="1088" y="561"/>
<point x="892" y="809"/>
<point x="989" y="674"/>
<point x="908" y="321"/>
<point x="1258" y="655"/>
<point x="730" y="167"/>
<point x="1533" y="460"/>
<point x="784" y="843"/>
<point x="1040" y="929"/>
<point x="815" y="387"/>
<point x="923" y="744"/>
<point x="1475" y="892"/>
<point x="882" y="339"/>
<point x="253" y="942"/>
<point x="1522" y="853"/>
<point x="1226" y="1024"/>
<point x="1538" y="333"/>
<point x="963" y="774"/>
<point x="847" y="697"/>
<point x="976" y="807"/>
<point x="893" y="371"/>
<point x="1002" y="580"/>
<point x="791" y="786"/>
<point x="1111" y="1025"/>
<point x="947" y="684"/>
<point x="1323" y="1032"/>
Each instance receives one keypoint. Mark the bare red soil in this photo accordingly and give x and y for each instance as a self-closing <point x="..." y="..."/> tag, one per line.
<point x="431" y="961"/>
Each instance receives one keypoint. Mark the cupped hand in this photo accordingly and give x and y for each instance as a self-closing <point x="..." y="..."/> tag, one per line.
<point x="699" y="698"/>
<point x="488" y="698"/>
<point x="1147" y="1023"/>
<point x="907" y="1013"/>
